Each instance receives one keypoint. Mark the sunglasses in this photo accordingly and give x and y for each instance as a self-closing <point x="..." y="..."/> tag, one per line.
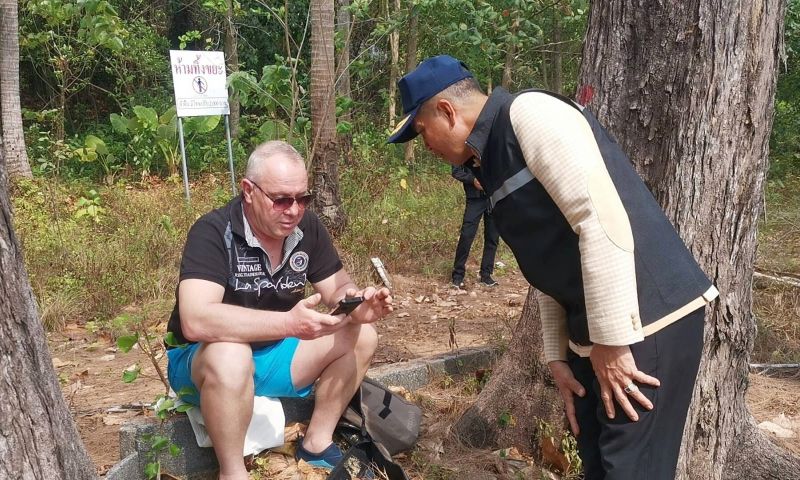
<point x="284" y="203"/>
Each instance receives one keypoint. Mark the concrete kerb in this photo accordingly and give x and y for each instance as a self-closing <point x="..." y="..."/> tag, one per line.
<point x="197" y="463"/>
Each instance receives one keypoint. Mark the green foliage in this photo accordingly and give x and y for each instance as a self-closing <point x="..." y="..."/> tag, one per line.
<point x="152" y="137"/>
<point x="505" y="419"/>
<point x="81" y="269"/>
<point x="90" y="206"/>
<point x="785" y="137"/>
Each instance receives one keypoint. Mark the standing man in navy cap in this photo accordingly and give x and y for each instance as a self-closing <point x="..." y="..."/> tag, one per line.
<point x="621" y="297"/>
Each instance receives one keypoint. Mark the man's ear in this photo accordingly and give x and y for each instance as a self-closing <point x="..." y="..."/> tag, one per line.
<point x="448" y="110"/>
<point x="247" y="190"/>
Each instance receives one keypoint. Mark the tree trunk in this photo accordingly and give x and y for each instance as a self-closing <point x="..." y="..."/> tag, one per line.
<point x="37" y="436"/>
<point x="11" y="119"/>
<point x="294" y="62"/>
<point x="324" y="157"/>
<point x="231" y="51"/>
<point x="520" y="385"/>
<point x="558" y="69"/>
<point x="511" y="51"/>
<point x="687" y="89"/>
<point x="394" y="67"/>
<point x="411" y="62"/>
<point x="344" y="27"/>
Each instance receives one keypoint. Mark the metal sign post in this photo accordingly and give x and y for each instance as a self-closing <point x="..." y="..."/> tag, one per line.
<point x="230" y="153"/>
<point x="200" y="90"/>
<point x="183" y="161"/>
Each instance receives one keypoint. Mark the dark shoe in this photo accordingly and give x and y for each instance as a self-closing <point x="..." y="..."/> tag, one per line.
<point x="326" y="459"/>
<point x="457" y="283"/>
<point x="488" y="282"/>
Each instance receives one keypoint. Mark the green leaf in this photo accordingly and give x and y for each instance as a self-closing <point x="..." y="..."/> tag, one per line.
<point x="201" y="124"/>
<point x="186" y="391"/>
<point x="174" y="450"/>
<point x="169" y="338"/>
<point x="272" y="130"/>
<point x="128" y="376"/>
<point x="127" y="342"/>
<point x="151" y="470"/>
<point x="166" y="133"/>
<point x="97" y="144"/>
<point x="184" y="407"/>
<point x="168" y="117"/>
<point x="119" y="123"/>
<point x="159" y="443"/>
<point x="147" y="116"/>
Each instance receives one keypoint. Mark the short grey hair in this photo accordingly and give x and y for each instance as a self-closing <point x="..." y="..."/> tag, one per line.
<point x="462" y="89"/>
<point x="267" y="150"/>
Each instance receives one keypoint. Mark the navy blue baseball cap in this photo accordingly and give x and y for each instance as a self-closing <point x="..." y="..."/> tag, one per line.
<point x="429" y="78"/>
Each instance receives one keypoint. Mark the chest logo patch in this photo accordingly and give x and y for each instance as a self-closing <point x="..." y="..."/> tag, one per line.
<point x="299" y="261"/>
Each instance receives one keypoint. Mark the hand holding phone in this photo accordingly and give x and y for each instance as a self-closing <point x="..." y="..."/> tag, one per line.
<point x="347" y="305"/>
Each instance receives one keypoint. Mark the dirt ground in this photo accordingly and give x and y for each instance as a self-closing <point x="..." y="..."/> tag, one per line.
<point x="429" y="318"/>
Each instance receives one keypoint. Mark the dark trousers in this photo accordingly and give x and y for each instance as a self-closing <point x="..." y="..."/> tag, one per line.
<point x="621" y="449"/>
<point x="474" y="209"/>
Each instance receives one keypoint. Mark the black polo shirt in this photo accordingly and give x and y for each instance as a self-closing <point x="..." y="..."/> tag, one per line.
<point x="216" y="250"/>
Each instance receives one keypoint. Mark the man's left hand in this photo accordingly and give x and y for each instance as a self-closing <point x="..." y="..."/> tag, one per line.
<point x="377" y="304"/>
<point x="618" y="376"/>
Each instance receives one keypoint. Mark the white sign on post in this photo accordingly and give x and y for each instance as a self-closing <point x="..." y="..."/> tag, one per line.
<point x="199" y="81"/>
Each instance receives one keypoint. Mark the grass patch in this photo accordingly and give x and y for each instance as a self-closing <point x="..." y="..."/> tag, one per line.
<point x="777" y="307"/>
<point x="125" y="254"/>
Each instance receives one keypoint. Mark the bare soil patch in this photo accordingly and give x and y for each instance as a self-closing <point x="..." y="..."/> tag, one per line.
<point x="430" y="318"/>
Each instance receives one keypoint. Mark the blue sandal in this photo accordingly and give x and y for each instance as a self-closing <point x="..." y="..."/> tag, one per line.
<point x="326" y="459"/>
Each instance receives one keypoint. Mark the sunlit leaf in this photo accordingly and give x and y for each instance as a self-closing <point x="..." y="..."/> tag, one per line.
<point x="126" y="343"/>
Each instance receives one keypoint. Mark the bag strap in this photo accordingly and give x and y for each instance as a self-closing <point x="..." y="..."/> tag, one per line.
<point x="387" y="400"/>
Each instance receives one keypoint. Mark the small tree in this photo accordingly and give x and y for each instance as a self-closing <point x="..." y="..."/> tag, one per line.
<point x="11" y="119"/>
<point x="324" y="154"/>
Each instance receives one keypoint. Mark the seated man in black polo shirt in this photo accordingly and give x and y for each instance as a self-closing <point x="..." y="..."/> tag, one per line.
<point x="240" y="307"/>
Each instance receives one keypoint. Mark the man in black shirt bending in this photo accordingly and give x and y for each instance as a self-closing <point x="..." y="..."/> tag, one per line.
<point x="477" y="206"/>
<point x="240" y="309"/>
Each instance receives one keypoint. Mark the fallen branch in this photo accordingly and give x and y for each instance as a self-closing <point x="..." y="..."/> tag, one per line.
<point x="791" y="281"/>
<point x="763" y="368"/>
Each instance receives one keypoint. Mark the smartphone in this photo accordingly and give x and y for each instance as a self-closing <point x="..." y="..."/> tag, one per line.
<point x="347" y="305"/>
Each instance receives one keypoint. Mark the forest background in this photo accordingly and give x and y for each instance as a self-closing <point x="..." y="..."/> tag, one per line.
<point x="96" y="188"/>
<point x="101" y="214"/>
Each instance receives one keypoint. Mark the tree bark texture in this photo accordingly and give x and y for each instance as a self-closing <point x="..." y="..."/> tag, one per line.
<point x="11" y="119"/>
<point x="411" y="62"/>
<point x="345" y="29"/>
<point x="520" y="386"/>
<point x="38" y="438"/>
<point x="394" y="66"/>
<point x="511" y="53"/>
<point x="687" y="89"/>
<point x="324" y="155"/>
<point x="231" y="51"/>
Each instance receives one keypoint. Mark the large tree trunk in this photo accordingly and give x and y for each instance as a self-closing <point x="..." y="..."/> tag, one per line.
<point x="231" y="51"/>
<point x="687" y="89"/>
<point x="11" y="119"/>
<point x="324" y="155"/>
<point x="38" y="439"/>
<point x="411" y="62"/>
<point x="520" y="385"/>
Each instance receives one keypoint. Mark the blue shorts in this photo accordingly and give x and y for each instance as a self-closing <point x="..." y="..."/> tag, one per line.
<point x="272" y="376"/>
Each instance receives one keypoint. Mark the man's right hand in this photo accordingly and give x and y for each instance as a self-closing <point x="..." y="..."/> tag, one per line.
<point x="306" y="323"/>
<point x="477" y="184"/>
<point x="568" y="386"/>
